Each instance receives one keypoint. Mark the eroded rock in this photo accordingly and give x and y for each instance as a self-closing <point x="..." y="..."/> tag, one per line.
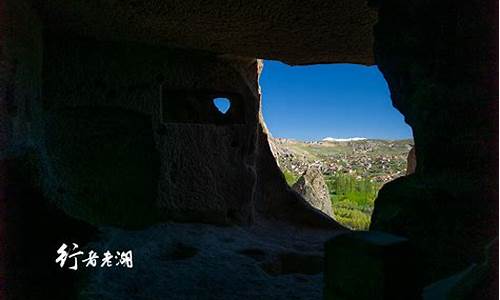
<point x="411" y="161"/>
<point x="440" y="77"/>
<point x="311" y="185"/>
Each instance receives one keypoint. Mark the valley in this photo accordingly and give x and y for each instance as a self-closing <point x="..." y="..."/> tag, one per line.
<point x="353" y="169"/>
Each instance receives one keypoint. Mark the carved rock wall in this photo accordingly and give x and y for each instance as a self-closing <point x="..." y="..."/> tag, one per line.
<point x="131" y="136"/>
<point x="113" y="149"/>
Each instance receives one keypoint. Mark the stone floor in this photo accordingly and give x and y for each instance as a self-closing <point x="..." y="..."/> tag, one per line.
<point x="199" y="261"/>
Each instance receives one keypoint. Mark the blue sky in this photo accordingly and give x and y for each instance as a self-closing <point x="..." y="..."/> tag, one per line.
<point x="336" y="100"/>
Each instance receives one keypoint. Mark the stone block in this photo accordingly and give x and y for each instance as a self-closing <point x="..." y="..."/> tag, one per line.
<point x="370" y="265"/>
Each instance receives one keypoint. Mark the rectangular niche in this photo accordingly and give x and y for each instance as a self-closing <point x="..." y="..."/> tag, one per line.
<point x="202" y="107"/>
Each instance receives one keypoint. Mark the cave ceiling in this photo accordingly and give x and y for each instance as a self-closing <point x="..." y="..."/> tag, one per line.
<point x="295" y="32"/>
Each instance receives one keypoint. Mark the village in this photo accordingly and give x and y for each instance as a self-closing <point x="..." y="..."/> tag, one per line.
<point x="379" y="161"/>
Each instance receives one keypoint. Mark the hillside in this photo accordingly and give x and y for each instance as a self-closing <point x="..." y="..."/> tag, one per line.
<point x="354" y="170"/>
<point x="378" y="160"/>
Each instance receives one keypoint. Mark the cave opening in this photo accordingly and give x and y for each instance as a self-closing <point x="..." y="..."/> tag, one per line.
<point x="222" y="104"/>
<point x="335" y="135"/>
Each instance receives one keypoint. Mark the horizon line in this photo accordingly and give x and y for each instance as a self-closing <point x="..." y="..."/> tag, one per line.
<point x="358" y="139"/>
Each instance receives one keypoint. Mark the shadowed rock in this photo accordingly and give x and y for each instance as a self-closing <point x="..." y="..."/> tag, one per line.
<point x="298" y="33"/>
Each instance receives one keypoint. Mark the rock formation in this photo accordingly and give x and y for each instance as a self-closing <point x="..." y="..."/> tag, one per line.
<point x="445" y="84"/>
<point x="311" y="185"/>
<point x="411" y="161"/>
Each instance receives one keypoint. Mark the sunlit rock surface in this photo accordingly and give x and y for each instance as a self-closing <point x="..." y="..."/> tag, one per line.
<point x="311" y="185"/>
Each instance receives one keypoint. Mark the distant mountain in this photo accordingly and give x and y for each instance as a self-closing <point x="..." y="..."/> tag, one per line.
<point x="353" y="139"/>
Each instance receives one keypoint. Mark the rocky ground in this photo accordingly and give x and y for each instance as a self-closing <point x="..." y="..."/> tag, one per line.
<point x="199" y="261"/>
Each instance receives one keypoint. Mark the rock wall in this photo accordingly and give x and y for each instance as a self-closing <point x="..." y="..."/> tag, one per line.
<point x="113" y="150"/>
<point x="441" y="73"/>
<point x="20" y="67"/>
<point x="131" y="136"/>
<point x="20" y="75"/>
<point x="31" y="227"/>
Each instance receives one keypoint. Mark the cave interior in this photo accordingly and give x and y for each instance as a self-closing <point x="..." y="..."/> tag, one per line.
<point x="110" y="138"/>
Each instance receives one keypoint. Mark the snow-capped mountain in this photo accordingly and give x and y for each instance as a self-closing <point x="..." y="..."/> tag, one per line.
<point x="330" y="139"/>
